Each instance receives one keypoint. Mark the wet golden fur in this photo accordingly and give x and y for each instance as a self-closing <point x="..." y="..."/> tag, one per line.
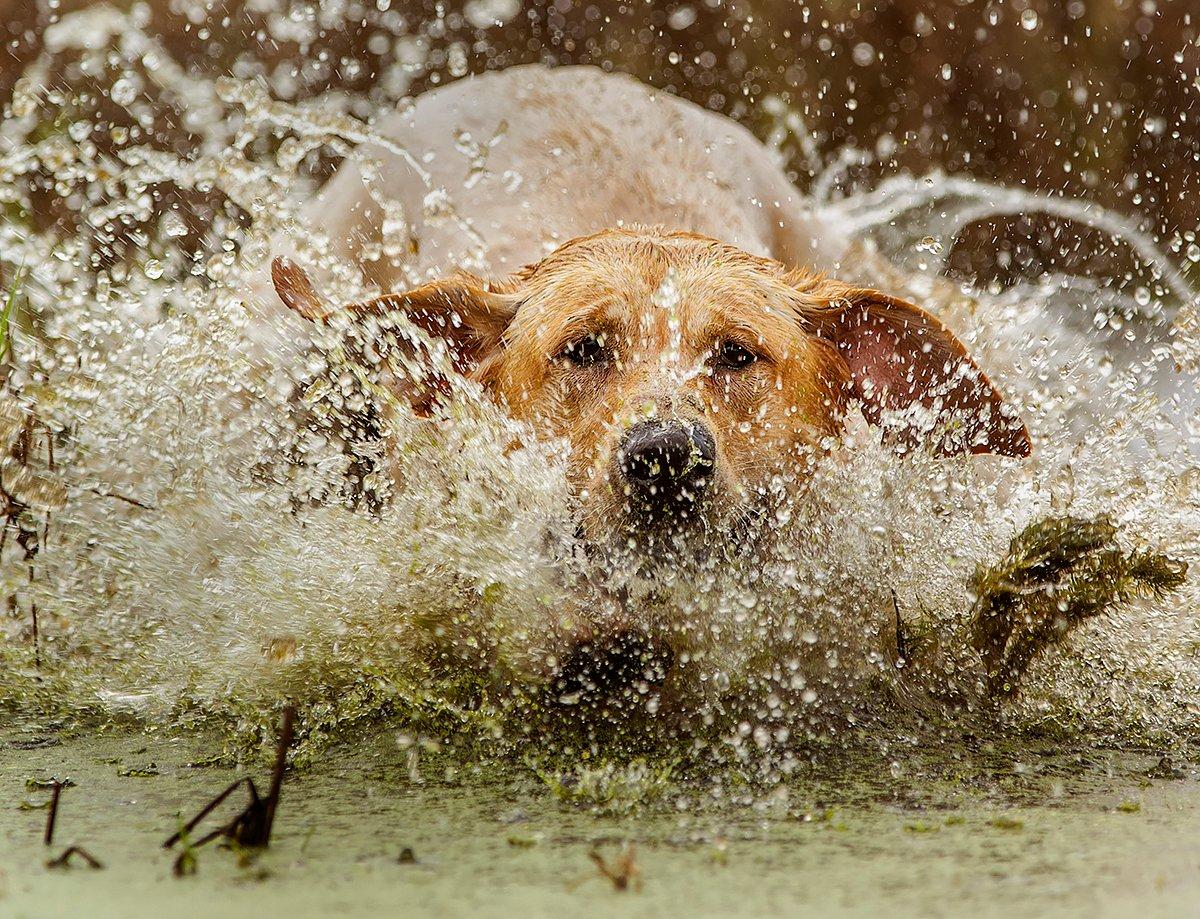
<point x="664" y="305"/>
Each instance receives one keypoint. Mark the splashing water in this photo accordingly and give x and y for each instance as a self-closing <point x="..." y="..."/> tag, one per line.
<point x="209" y="558"/>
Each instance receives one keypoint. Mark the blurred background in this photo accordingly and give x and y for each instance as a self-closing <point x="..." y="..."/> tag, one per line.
<point x="1089" y="98"/>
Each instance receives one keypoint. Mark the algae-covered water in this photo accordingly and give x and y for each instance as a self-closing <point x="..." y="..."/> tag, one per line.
<point x="976" y="830"/>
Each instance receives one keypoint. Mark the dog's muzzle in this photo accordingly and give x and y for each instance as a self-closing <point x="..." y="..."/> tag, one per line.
<point x="667" y="466"/>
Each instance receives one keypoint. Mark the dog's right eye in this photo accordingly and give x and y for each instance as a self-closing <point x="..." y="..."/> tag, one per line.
<point x="586" y="351"/>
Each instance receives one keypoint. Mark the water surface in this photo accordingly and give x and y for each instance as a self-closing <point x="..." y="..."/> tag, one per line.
<point x="952" y="832"/>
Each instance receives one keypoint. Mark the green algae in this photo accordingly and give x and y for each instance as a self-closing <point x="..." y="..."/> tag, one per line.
<point x="1058" y="573"/>
<point x="956" y="829"/>
<point x="612" y="788"/>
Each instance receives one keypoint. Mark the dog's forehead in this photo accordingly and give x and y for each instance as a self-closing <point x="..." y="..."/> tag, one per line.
<point x="693" y="282"/>
<point x="646" y="256"/>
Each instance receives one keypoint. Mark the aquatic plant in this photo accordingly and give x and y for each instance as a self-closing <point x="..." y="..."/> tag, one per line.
<point x="611" y="788"/>
<point x="1058" y="573"/>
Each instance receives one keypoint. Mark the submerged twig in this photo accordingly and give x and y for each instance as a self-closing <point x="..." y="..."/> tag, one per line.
<point x="208" y="809"/>
<point x="136" y="502"/>
<point x="52" y="816"/>
<point x="902" y="650"/>
<point x="64" y="860"/>
<point x="1058" y="573"/>
<point x="623" y="872"/>
<point x="252" y="825"/>
<point x="287" y="733"/>
<point x="26" y="500"/>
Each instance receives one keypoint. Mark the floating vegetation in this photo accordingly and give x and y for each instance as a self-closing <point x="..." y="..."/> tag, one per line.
<point x="1059" y="572"/>
<point x="610" y="788"/>
<point x="1010" y="824"/>
<point x="48" y="784"/>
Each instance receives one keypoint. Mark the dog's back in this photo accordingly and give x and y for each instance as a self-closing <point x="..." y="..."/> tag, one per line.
<point x="515" y="162"/>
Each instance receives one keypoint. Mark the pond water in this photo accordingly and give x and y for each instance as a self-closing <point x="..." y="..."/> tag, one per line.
<point x="969" y="830"/>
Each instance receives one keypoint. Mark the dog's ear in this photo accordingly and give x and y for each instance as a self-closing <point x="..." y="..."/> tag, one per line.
<point x="900" y="356"/>
<point x="296" y="290"/>
<point x="461" y="311"/>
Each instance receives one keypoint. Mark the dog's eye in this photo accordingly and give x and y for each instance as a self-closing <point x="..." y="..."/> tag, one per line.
<point x="729" y="355"/>
<point x="586" y="351"/>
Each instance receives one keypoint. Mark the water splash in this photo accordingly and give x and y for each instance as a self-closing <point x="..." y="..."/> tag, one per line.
<point x="210" y="562"/>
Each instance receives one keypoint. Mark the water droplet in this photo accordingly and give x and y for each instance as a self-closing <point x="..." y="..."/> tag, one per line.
<point x="173" y="225"/>
<point x="1029" y="20"/>
<point x="863" y="54"/>
<point x="681" y="18"/>
<point x="456" y="60"/>
<point x="930" y="244"/>
<point x="125" y="90"/>
<point x="483" y="14"/>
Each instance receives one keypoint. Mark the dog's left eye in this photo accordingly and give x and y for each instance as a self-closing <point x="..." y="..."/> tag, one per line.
<point x="729" y="355"/>
<point x="586" y="351"/>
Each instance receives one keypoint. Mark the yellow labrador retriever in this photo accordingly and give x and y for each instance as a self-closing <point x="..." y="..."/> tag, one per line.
<point x="635" y="274"/>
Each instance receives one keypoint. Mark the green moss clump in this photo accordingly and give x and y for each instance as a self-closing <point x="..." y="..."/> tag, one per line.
<point x="610" y="788"/>
<point x="1058" y="572"/>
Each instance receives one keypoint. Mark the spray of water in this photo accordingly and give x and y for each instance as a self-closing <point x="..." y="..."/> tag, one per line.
<point x="223" y="542"/>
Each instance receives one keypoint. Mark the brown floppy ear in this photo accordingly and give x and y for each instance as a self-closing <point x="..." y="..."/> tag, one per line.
<point x="900" y="356"/>
<point x="460" y="310"/>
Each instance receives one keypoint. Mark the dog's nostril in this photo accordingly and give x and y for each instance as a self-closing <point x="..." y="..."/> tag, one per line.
<point x="663" y="457"/>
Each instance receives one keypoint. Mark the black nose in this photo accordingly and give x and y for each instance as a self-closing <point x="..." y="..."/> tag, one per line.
<point x="668" y="460"/>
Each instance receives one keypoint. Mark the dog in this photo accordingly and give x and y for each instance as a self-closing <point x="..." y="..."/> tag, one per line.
<point x="678" y="334"/>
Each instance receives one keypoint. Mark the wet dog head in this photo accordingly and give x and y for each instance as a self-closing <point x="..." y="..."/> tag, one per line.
<point x="687" y="376"/>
